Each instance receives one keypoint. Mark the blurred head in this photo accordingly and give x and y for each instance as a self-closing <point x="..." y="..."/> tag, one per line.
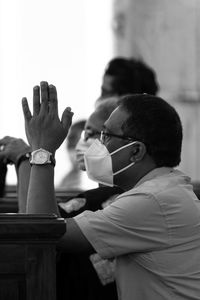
<point x="128" y="76"/>
<point x="93" y="127"/>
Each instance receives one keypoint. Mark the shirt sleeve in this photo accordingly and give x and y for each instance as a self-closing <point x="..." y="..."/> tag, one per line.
<point x="133" y="223"/>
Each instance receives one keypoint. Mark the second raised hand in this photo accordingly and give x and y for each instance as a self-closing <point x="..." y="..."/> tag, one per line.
<point x="44" y="129"/>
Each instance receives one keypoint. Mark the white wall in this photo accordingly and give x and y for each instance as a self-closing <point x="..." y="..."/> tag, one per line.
<point x="65" y="42"/>
<point x="166" y="35"/>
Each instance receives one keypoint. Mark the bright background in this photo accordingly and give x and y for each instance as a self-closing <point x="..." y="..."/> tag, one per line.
<point x="66" y="43"/>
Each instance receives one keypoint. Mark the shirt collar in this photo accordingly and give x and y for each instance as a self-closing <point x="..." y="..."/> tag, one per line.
<point x="154" y="173"/>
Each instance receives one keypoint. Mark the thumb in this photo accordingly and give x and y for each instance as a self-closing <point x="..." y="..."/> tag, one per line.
<point x="66" y="119"/>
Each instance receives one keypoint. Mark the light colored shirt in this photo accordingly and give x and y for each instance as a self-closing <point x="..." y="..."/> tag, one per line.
<point x="153" y="230"/>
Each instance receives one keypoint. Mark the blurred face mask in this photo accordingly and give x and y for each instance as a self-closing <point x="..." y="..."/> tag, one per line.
<point x="98" y="163"/>
<point x="81" y="147"/>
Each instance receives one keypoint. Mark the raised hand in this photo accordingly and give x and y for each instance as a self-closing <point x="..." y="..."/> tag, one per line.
<point x="44" y="129"/>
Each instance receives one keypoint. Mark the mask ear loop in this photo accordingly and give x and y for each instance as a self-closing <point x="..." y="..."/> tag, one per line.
<point x="125" y="146"/>
<point x="125" y="168"/>
<point x="118" y="172"/>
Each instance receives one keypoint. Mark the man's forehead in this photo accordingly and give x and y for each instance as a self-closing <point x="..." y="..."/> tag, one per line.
<point x="116" y="119"/>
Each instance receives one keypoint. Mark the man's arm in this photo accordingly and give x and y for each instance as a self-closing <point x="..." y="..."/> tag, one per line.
<point x="74" y="241"/>
<point x="45" y="130"/>
<point x="41" y="199"/>
<point x="23" y="175"/>
<point x="41" y="194"/>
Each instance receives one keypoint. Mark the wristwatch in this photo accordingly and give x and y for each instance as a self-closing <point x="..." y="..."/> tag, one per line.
<point x="42" y="157"/>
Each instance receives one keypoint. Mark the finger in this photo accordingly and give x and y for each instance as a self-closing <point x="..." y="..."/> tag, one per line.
<point x="26" y="110"/>
<point x="44" y="97"/>
<point x="36" y="100"/>
<point x="53" y="102"/>
<point x="66" y="119"/>
<point x="44" y="91"/>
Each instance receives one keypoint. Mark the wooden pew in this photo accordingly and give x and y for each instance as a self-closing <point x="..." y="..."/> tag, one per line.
<point x="9" y="203"/>
<point x="28" y="256"/>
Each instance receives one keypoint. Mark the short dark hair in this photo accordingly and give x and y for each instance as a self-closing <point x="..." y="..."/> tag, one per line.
<point x="156" y="123"/>
<point x="131" y="76"/>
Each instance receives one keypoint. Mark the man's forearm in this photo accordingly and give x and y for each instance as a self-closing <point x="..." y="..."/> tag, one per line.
<point x="41" y="194"/>
<point x="23" y="174"/>
<point x="45" y="132"/>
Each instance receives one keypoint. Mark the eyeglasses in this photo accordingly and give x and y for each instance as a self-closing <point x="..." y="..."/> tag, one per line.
<point x="88" y="133"/>
<point x="105" y="135"/>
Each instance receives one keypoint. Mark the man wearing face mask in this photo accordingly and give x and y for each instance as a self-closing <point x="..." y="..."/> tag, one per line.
<point x="75" y="179"/>
<point x="153" y="228"/>
<point x="101" y="281"/>
<point x="92" y="199"/>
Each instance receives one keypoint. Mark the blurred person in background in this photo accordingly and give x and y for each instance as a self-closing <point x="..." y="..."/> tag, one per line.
<point x="128" y="76"/>
<point x="75" y="179"/>
<point x="92" y="199"/>
<point x="94" y="276"/>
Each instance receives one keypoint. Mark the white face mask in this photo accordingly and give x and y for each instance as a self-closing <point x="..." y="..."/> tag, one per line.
<point x="98" y="163"/>
<point x="81" y="147"/>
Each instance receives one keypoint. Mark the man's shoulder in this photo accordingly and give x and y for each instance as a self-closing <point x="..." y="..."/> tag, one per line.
<point x="160" y="185"/>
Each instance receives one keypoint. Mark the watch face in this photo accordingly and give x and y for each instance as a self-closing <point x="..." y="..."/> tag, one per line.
<point x="41" y="157"/>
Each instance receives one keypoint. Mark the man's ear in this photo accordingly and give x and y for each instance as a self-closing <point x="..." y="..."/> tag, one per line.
<point x="138" y="152"/>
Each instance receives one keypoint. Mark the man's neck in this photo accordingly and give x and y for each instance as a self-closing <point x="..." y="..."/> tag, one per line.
<point x="134" y="175"/>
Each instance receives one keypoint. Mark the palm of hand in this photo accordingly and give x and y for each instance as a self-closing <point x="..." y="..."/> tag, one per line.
<point x="45" y="132"/>
<point x="44" y="129"/>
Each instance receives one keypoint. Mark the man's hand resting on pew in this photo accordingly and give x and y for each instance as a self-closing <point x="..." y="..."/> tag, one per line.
<point x="72" y="205"/>
<point x="14" y="150"/>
